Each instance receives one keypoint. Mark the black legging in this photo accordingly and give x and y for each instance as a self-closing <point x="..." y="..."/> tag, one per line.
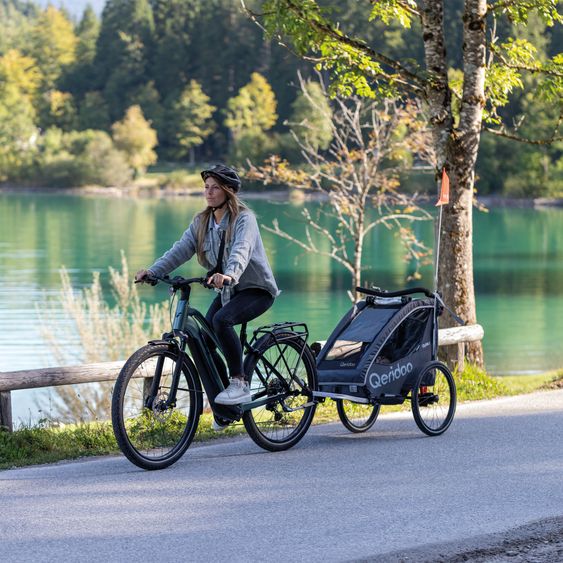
<point x="243" y="307"/>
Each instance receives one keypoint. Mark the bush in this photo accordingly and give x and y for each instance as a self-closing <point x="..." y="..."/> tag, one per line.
<point x="62" y="171"/>
<point x="103" y="163"/>
<point x="80" y="158"/>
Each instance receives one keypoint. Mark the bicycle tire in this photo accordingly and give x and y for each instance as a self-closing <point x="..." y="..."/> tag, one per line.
<point x="357" y="417"/>
<point x="270" y="426"/>
<point x="151" y="437"/>
<point x="434" y="399"/>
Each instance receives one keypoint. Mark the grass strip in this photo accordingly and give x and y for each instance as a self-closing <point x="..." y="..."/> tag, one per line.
<point x="48" y="443"/>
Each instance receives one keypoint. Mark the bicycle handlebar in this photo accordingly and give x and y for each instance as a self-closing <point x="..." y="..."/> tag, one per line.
<point x="400" y="293"/>
<point x="178" y="282"/>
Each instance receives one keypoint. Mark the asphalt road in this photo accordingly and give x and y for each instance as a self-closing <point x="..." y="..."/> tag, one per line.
<point x="336" y="496"/>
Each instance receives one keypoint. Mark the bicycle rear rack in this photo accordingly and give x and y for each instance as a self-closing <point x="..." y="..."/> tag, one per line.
<point x="281" y="333"/>
<point x="299" y="330"/>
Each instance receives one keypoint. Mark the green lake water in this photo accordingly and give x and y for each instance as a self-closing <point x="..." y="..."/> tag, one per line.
<point x="518" y="259"/>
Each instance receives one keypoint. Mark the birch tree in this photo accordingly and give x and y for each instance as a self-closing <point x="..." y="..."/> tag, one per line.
<point x="458" y="108"/>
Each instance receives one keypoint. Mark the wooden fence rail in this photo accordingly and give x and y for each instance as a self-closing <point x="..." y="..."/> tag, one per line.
<point x="108" y="371"/>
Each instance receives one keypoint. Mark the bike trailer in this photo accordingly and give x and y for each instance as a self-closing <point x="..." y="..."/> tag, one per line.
<point x="378" y="348"/>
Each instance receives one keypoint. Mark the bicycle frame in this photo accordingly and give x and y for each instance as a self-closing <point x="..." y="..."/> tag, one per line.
<point x="191" y="331"/>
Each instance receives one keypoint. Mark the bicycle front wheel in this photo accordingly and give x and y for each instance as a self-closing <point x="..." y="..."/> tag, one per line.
<point x="434" y="399"/>
<point x="150" y="431"/>
<point x="357" y="417"/>
<point x="283" y="375"/>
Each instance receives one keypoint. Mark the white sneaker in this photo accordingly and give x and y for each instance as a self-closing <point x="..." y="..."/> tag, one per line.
<point x="218" y="426"/>
<point x="236" y="393"/>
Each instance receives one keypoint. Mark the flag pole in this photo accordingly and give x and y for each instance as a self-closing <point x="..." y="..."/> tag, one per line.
<point x="443" y="199"/>
<point x="437" y="239"/>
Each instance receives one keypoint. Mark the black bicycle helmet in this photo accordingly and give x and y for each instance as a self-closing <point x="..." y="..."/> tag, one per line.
<point x="225" y="174"/>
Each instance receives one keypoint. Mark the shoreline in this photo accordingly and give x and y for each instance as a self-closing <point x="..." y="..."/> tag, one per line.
<point x="138" y="192"/>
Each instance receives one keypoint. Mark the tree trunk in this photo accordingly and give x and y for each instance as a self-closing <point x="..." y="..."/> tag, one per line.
<point x="455" y="272"/>
<point x="464" y="151"/>
<point x="456" y="150"/>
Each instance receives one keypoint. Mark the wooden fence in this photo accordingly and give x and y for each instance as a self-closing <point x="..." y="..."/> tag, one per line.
<point x="108" y="371"/>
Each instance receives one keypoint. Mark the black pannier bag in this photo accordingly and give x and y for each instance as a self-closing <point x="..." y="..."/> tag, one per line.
<point x="378" y="346"/>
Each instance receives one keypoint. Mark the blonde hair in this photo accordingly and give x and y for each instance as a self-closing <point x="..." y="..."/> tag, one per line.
<point x="235" y="206"/>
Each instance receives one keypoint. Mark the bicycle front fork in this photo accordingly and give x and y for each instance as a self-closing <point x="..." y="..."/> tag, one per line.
<point x="152" y="384"/>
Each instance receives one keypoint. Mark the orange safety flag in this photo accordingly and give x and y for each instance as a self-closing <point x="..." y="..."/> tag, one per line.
<point x="444" y="198"/>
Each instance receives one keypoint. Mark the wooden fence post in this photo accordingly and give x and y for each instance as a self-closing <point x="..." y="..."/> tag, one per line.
<point x="460" y="356"/>
<point x="6" y="410"/>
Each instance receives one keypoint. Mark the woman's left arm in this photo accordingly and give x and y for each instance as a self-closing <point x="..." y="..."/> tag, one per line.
<point x="244" y="240"/>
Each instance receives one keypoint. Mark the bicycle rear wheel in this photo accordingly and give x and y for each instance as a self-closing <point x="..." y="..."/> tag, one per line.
<point x="151" y="434"/>
<point x="280" y="372"/>
<point x="434" y="399"/>
<point x="357" y="417"/>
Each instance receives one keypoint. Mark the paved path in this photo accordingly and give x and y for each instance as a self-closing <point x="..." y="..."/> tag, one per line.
<point x="334" y="497"/>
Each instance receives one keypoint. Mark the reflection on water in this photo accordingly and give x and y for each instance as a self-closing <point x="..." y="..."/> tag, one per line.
<point x="518" y="271"/>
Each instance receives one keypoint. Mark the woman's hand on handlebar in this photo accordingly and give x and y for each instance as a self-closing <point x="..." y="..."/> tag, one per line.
<point x="219" y="280"/>
<point x="144" y="276"/>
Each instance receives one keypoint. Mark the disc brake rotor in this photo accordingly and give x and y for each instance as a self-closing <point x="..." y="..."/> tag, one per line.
<point x="159" y="409"/>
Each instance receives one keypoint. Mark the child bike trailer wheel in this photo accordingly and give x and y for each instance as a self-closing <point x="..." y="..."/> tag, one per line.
<point x="434" y="399"/>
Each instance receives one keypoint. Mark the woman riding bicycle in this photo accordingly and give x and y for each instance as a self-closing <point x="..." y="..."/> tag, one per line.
<point x="225" y="229"/>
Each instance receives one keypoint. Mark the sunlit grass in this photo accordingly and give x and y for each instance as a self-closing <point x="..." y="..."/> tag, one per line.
<point x="520" y="384"/>
<point x="47" y="442"/>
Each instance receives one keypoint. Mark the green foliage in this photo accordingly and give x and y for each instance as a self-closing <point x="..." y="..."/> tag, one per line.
<point x="17" y="19"/>
<point x="249" y="115"/>
<point x="474" y="384"/>
<point x="188" y="120"/>
<point x="79" y="78"/>
<point x="122" y="51"/>
<point x="147" y="52"/>
<point x="136" y="138"/>
<point x="354" y="70"/>
<point x="174" y="32"/>
<point x="254" y="145"/>
<point x="556" y="381"/>
<point x="93" y="112"/>
<point x="58" y="110"/>
<point x="87" y="33"/>
<point x="253" y="108"/>
<point x="311" y="117"/>
<point x="503" y="77"/>
<point x="45" y="443"/>
<point x="359" y="63"/>
<point x="18" y="132"/>
<point x="388" y="10"/>
<point x="49" y="441"/>
<point x="148" y="98"/>
<point x="180" y="180"/>
<point x="535" y="176"/>
<point x="102" y="163"/>
<point x="79" y="159"/>
<point x="53" y="44"/>
<point x="519" y="12"/>
<point x="20" y="74"/>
